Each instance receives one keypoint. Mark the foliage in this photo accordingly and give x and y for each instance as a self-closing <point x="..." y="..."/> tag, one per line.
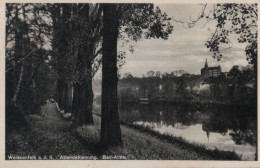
<point x="157" y="88"/>
<point x="28" y="19"/>
<point x="238" y="86"/>
<point x="143" y="21"/>
<point x="26" y="38"/>
<point x="242" y="85"/>
<point x="234" y="18"/>
<point x="46" y="82"/>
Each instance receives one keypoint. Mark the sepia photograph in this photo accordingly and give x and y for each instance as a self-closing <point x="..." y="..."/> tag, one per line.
<point x="130" y="81"/>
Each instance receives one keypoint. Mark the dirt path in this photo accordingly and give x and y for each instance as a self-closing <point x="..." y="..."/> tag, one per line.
<point x="48" y="134"/>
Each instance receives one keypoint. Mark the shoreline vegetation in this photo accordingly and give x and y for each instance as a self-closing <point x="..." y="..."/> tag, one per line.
<point x="213" y="102"/>
<point x="174" y="101"/>
<point x="51" y="132"/>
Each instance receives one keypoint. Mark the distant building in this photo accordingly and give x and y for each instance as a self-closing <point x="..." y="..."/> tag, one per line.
<point x="179" y="72"/>
<point x="210" y="71"/>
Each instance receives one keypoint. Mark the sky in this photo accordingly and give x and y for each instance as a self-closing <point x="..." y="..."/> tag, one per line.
<point x="185" y="48"/>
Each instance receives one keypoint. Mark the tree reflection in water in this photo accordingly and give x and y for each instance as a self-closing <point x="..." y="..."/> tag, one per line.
<point x="239" y="121"/>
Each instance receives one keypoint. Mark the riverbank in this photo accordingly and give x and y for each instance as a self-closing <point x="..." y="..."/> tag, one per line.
<point x="49" y="134"/>
<point x="180" y="143"/>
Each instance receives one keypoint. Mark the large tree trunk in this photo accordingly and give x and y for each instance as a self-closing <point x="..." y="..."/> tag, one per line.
<point x="83" y="99"/>
<point x="110" y="126"/>
<point x="82" y="106"/>
<point x="60" y="19"/>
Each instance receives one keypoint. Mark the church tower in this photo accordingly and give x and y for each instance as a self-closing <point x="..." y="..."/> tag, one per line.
<point x="206" y="64"/>
<point x="210" y="71"/>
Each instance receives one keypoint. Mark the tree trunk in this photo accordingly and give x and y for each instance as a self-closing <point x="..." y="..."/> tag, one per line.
<point x="14" y="116"/>
<point x="110" y="126"/>
<point x="82" y="101"/>
<point x="60" y="93"/>
<point x="75" y="101"/>
<point x="66" y="98"/>
<point x="89" y="98"/>
<point x="61" y="31"/>
<point x="82" y="106"/>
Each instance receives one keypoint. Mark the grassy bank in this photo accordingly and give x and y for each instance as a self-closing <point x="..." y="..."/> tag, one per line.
<point x="182" y="143"/>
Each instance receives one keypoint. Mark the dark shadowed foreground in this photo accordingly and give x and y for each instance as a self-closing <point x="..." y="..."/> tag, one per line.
<point x="50" y="135"/>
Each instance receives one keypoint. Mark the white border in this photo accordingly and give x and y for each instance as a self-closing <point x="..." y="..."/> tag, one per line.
<point x="103" y="163"/>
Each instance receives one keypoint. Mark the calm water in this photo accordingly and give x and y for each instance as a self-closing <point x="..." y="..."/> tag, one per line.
<point x="224" y="127"/>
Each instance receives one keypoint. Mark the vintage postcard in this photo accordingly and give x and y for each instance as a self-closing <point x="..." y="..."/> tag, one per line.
<point x="129" y="84"/>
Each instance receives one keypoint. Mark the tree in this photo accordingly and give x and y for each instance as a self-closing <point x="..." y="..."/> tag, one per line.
<point x="88" y="35"/>
<point x="240" y="19"/>
<point x="167" y="85"/>
<point x="61" y="13"/>
<point x="25" y="38"/>
<point x="238" y="84"/>
<point x="217" y="86"/>
<point x="77" y="32"/>
<point x="150" y="74"/>
<point x="110" y="126"/>
<point x="158" y="74"/>
<point x="130" y="19"/>
<point x="192" y="82"/>
<point x="181" y="85"/>
<point x="127" y="75"/>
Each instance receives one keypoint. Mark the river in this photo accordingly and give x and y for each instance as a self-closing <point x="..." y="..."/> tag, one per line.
<point x="225" y="127"/>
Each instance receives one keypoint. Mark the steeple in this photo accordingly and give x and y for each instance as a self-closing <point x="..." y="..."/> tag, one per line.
<point x="208" y="133"/>
<point x="206" y="63"/>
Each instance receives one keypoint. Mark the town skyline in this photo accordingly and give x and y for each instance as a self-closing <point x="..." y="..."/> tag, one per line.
<point x="174" y="71"/>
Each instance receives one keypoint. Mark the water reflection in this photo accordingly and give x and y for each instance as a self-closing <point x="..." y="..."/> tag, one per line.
<point x="224" y="127"/>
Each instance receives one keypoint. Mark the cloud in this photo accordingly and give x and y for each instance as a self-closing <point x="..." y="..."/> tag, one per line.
<point x="184" y="50"/>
